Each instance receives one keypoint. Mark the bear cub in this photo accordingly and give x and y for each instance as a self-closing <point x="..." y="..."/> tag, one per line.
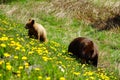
<point x="36" y="30"/>
<point x="85" y="49"/>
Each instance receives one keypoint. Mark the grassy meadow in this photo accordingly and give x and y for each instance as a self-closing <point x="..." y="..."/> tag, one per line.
<point x="24" y="58"/>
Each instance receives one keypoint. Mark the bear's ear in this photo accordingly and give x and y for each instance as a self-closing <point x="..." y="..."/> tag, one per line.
<point x="29" y="19"/>
<point x="91" y="43"/>
<point x="33" y="21"/>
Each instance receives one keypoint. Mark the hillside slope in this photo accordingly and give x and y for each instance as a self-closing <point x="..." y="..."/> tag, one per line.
<point x="25" y="58"/>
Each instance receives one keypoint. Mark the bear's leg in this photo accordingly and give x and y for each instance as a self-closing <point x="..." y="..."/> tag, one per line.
<point x="83" y="61"/>
<point x="30" y="34"/>
<point x="38" y="36"/>
<point x="95" y="61"/>
<point x="43" y="38"/>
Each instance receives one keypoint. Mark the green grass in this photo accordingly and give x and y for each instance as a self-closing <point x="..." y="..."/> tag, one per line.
<point x="23" y="58"/>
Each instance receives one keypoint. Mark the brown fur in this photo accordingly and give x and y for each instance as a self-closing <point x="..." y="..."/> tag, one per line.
<point x="84" y="49"/>
<point x="36" y="30"/>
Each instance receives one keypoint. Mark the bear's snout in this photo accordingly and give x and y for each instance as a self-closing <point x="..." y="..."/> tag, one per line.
<point x="26" y="27"/>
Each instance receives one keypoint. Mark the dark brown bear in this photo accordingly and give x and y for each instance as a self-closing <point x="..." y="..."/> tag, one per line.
<point x="36" y="30"/>
<point x="84" y="49"/>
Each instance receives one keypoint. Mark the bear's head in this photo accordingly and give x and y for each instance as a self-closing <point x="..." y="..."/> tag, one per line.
<point x="29" y="24"/>
<point x="88" y="48"/>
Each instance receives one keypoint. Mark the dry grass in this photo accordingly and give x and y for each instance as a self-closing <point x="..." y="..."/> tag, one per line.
<point x="99" y="14"/>
<point x="91" y="13"/>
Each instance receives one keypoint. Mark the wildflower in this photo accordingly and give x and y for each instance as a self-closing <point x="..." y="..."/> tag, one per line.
<point x="15" y="57"/>
<point x="6" y="55"/>
<point x="37" y="69"/>
<point x="8" y="63"/>
<point x="3" y="45"/>
<point x="23" y="50"/>
<point x="39" y="77"/>
<point x="104" y="77"/>
<point x="18" y="72"/>
<point x="92" y="78"/>
<point x="83" y="65"/>
<point x="8" y="67"/>
<point x="45" y="58"/>
<point x="18" y="75"/>
<point x="4" y="38"/>
<point x="63" y="51"/>
<point x="88" y="73"/>
<point x="17" y="34"/>
<point x="53" y="48"/>
<point x="11" y="38"/>
<point x="20" y="67"/>
<point x="26" y="64"/>
<point x="17" y="48"/>
<point x="62" y="69"/>
<point x="24" y="58"/>
<point x="76" y="73"/>
<point x="46" y="51"/>
<point x="59" y="62"/>
<point x="62" y="78"/>
<point x="48" y="78"/>
<point x="0" y="74"/>
<point x="31" y="52"/>
<point x="1" y="62"/>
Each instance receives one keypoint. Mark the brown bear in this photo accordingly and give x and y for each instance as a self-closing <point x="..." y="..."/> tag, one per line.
<point x="36" y="30"/>
<point x="85" y="49"/>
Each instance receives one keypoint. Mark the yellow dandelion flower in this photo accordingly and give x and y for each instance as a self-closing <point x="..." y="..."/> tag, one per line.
<point x="8" y="63"/>
<point x="45" y="58"/>
<point x="26" y="64"/>
<point x="83" y="65"/>
<point x="24" y="58"/>
<point x="23" y="50"/>
<point x="6" y="55"/>
<point x="39" y="77"/>
<point x="89" y="73"/>
<point x="4" y="38"/>
<point x="76" y="73"/>
<point x="0" y="74"/>
<point x="18" y="75"/>
<point x="3" y="45"/>
<point x="15" y="57"/>
<point x="63" y="51"/>
<point x="1" y="62"/>
<point x="20" y="67"/>
<point x="46" y="51"/>
<point x="59" y="62"/>
<point x="92" y="78"/>
<point x="104" y="77"/>
<point x="31" y="52"/>
<point x="17" y="48"/>
<point x="4" y="35"/>
<point x="62" y="78"/>
<point x="48" y="78"/>
<point x="8" y="67"/>
<point x="18" y="72"/>
<point x="11" y="38"/>
<point x="37" y="69"/>
<point x="17" y="34"/>
<point x="53" y="48"/>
